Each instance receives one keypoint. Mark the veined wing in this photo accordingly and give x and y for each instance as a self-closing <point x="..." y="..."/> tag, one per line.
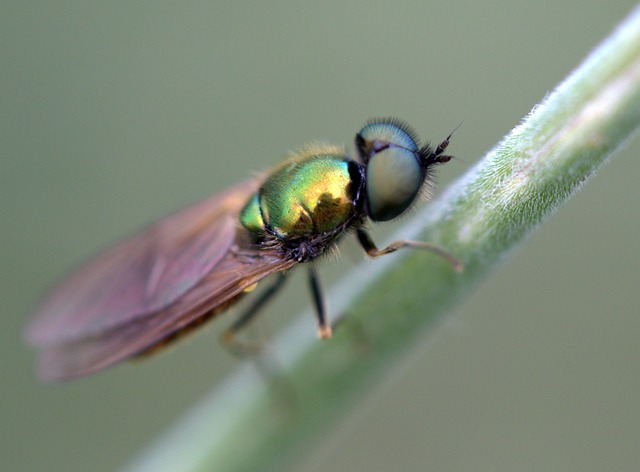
<point x="149" y="286"/>
<point x="238" y="270"/>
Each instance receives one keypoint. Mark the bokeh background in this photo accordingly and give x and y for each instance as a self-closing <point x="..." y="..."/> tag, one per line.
<point x="115" y="113"/>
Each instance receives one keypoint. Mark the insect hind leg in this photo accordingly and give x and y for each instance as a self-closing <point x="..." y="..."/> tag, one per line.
<point x="229" y="337"/>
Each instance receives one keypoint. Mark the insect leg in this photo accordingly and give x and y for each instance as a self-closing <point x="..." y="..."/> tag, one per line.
<point x="372" y="251"/>
<point x="324" y="326"/>
<point x="229" y="336"/>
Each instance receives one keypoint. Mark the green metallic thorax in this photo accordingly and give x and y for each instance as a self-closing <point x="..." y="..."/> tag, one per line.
<point x="310" y="194"/>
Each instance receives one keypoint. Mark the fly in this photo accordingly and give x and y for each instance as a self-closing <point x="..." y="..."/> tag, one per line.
<point x="188" y="267"/>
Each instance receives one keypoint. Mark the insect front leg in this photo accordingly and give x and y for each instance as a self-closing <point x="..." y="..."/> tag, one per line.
<point x="229" y="336"/>
<point x="372" y="251"/>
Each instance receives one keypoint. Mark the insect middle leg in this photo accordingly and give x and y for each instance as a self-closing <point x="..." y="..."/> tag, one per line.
<point x="229" y="337"/>
<point x="322" y="315"/>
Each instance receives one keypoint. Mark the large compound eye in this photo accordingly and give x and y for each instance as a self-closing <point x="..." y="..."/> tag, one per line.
<point x="393" y="179"/>
<point x="381" y="134"/>
<point x="394" y="171"/>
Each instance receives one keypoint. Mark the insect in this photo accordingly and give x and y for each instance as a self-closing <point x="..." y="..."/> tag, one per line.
<point x="192" y="265"/>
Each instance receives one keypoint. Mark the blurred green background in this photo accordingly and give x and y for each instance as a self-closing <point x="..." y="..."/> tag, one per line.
<point x="115" y="113"/>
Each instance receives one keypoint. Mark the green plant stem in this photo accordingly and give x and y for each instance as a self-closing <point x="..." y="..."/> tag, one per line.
<point x="539" y="165"/>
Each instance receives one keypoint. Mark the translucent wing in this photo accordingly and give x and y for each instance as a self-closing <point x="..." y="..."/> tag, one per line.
<point x="149" y="287"/>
